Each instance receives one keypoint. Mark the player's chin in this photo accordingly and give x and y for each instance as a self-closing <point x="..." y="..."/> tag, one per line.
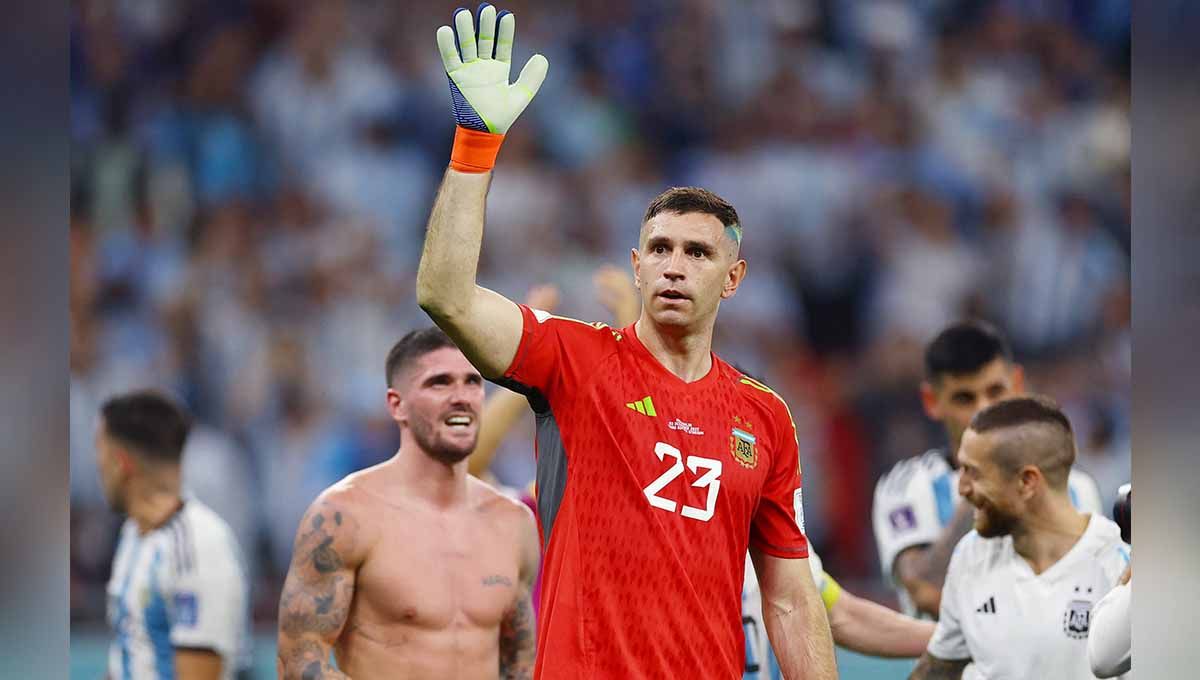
<point x="672" y="315"/>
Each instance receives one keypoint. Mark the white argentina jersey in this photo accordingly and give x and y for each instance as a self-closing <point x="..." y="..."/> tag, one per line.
<point x="1017" y="625"/>
<point x="181" y="585"/>
<point x="916" y="499"/>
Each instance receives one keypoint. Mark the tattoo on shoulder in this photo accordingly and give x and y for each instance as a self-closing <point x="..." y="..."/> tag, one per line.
<point x="497" y="580"/>
<point x="932" y="668"/>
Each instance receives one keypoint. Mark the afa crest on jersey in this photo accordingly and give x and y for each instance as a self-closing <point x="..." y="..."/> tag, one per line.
<point x="742" y="444"/>
<point x="1077" y="619"/>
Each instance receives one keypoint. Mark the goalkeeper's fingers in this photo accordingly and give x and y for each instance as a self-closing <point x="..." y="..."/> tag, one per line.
<point x="532" y="75"/>
<point x="465" y="28"/>
<point x="445" y="41"/>
<point x="504" y="36"/>
<point x="487" y="30"/>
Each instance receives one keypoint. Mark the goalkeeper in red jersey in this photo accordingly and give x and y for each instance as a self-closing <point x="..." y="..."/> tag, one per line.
<point x="658" y="464"/>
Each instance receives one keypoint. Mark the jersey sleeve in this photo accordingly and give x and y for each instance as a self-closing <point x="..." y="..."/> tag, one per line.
<point x="556" y="353"/>
<point x="904" y="513"/>
<point x="778" y="525"/>
<point x="1085" y="493"/>
<point x="1110" y="638"/>
<point x="207" y="599"/>
<point x="949" y="641"/>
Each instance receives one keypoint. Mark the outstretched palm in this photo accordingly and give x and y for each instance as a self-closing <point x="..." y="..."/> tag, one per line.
<point x="478" y="71"/>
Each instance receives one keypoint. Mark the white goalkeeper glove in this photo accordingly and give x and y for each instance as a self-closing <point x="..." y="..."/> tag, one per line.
<point x="485" y="104"/>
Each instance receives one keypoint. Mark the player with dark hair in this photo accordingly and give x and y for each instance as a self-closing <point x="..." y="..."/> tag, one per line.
<point x="178" y="595"/>
<point x="1020" y="587"/>
<point x="412" y="568"/>
<point x="917" y="516"/>
<point x="658" y="464"/>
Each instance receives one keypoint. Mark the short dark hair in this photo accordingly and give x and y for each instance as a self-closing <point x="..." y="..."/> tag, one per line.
<point x="414" y="345"/>
<point x="1049" y="445"/>
<point x="149" y="422"/>
<point x="685" y="200"/>
<point x="963" y="348"/>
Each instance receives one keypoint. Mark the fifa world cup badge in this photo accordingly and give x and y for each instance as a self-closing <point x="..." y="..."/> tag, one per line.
<point x="742" y="444"/>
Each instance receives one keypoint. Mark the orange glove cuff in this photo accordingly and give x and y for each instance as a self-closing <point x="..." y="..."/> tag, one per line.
<point x="474" y="151"/>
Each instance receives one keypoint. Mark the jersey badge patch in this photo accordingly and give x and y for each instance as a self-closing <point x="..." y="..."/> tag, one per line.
<point x="903" y="518"/>
<point x="1077" y="618"/>
<point x="186" y="613"/>
<point x="742" y="444"/>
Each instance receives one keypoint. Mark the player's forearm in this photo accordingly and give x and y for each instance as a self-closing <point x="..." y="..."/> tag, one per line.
<point x="305" y="658"/>
<point x="799" y="632"/>
<point x="872" y="629"/>
<point x="450" y="259"/>
<point x="937" y="558"/>
<point x="501" y="411"/>
<point x="933" y="668"/>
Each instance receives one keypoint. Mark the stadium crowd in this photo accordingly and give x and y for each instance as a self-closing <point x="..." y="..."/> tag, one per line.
<point x="251" y="181"/>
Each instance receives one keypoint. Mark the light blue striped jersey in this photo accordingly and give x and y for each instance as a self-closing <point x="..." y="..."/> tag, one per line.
<point x="181" y="585"/>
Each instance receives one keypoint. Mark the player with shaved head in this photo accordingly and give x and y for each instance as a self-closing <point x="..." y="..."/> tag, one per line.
<point x="1021" y="586"/>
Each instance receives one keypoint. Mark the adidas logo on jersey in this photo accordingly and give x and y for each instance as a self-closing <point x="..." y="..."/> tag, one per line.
<point x="643" y="406"/>
<point x="988" y="607"/>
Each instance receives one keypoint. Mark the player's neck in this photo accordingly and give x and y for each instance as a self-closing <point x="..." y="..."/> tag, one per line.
<point x="434" y="481"/>
<point x="687" y="354"/>
<point x="1049" y="533"/>
<point x="151" y="505"/>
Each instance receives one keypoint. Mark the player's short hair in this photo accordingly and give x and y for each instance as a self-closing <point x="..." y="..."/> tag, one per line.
<point x="1041" y="436"/>
<point x="150" y="423"/>
<point x="414" y="345"/>
<point x="963" y="348"/>
<point x="684" y="200"/>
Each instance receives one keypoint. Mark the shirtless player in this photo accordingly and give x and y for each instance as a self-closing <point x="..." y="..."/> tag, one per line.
<point x="412" y="568"/>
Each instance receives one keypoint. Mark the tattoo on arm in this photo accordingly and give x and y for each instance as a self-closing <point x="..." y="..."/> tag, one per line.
<point x="932" y="668"/>
<point x="518" y="630"/>
<point x="317" y="593"/>
<point x="518" y="636"/>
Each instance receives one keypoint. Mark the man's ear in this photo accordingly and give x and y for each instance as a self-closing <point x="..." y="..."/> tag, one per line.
<point x="1030" y="477"/>
<point x="1018" y="379"/>
<point x="733" y="279"/>
<point x="395" y="404"/>
<point x="929" y="401"/>
<point x="635" y="261"/>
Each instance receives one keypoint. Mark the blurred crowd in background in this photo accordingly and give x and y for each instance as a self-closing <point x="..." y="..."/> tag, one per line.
<point x="251" y="181"/>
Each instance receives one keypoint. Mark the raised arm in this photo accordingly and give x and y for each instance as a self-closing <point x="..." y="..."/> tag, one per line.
<point x="504" y="408"/>
<point x="318" y="590"/>
<point x="484" y="324"/>
<point x="794" y="617"/>
<point x="518" y="631"/>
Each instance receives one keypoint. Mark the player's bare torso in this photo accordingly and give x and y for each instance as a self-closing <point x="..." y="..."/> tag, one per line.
<point x="433" y="588"/>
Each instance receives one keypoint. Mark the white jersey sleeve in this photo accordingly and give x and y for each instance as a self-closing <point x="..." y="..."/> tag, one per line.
<point x="1110" y="646"/>
<point x="207" y="590"/>
<point x="949" y="640"/>
<point x="905" y="512"/>
<point x="1085" y="493"/>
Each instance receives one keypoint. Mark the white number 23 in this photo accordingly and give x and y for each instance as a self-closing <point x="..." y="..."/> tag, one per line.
<point x="711" y="479"/>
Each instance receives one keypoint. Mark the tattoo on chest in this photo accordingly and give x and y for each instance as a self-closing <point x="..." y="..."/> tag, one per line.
<point x="497" y="580"/>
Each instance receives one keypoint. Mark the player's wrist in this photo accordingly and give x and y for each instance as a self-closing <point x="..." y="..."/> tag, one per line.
<point x="474" y="151"/>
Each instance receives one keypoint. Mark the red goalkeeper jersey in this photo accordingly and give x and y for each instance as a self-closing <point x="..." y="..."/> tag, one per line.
<point x="649" y="492"/>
